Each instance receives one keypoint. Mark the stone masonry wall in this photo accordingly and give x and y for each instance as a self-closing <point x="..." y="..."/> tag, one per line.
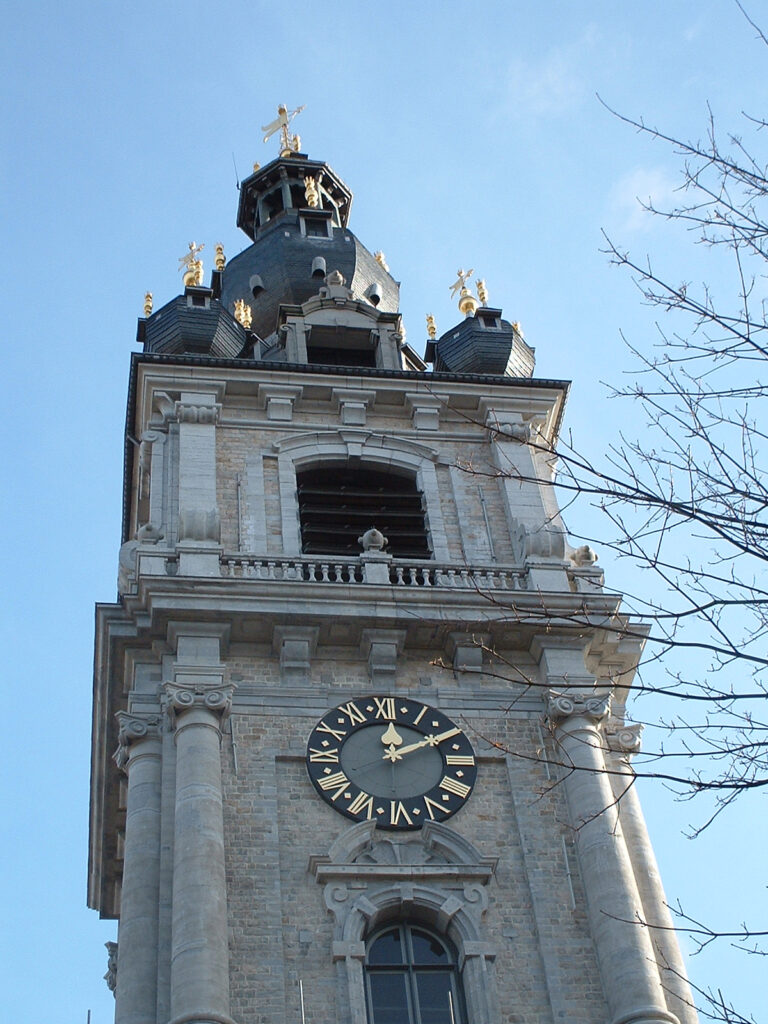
<point x="280" y="928"/>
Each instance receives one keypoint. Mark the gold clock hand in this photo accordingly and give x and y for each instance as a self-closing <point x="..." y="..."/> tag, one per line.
<point x="429" y="741"/>
<point x="391" y="737"/>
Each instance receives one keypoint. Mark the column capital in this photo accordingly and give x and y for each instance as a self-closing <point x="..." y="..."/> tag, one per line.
<point x="574" y="704"/>
<point x="132" y="728"/>
<point x="623" y="739"/>
<point x="182" y="696"/>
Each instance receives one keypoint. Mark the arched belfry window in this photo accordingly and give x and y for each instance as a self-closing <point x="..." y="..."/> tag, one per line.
<point x="411" y="977"/>
<point x="338" y="503"/>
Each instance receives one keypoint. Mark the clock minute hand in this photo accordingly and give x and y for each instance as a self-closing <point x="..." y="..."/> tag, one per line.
<point x="429" y="741"/>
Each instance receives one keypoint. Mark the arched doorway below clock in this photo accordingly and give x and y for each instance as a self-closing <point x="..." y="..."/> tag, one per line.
<point x="412" y="977"/>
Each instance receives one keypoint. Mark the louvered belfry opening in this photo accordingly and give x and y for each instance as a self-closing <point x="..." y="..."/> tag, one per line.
<point x="338" y="503"/>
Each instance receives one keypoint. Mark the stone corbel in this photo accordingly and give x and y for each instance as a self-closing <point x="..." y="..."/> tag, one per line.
<point x="279" y="400"/>
<point x="466" y="651"/>
<point x="424" y="410"/>
<point x="353" y="404"/>
<point x="381" y="647"/>
<point x="132" y="728"/>
<point x="296" y="646"/>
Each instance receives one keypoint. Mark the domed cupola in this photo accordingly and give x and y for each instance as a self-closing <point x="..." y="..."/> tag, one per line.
<point x="296" y="211"/>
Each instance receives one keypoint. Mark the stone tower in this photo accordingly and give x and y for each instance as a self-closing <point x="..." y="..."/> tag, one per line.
<point x="358" y="734"/>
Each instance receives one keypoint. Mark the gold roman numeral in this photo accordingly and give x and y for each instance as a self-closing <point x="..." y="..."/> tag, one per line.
<point x="454" y="786"/>
<point x="336" y="733"/>
<point x="324" y="756"/>
<point x="420" y="715"/>
<point x="353" y="712"/>
<point x="430" y="804"/>
<point x="397" y="811"/>
<point x="362" y="802"/>
<point x="337" y="781"/>
<point x="385" y="707"/>
<point x="459" y="759"/>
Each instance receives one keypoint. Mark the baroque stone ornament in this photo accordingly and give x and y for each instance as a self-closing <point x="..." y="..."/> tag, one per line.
<point x="131" y="729"/>
<point x="567" y="705"/>
<point x="111" y="976"/>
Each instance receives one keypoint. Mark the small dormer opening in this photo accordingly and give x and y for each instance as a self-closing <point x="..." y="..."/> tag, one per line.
<point x="489" y="320"/>
<point x="316" y="225"/>
<point x="341" y="346"/>
<point x="338" y="503"/>
<point x="273" y="203"/>
<point x="298" y="198"/>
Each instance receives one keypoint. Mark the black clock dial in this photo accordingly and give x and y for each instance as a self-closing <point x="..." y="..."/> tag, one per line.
<point x="391" y="760"/>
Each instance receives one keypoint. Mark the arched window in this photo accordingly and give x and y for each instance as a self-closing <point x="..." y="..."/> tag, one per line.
<point x="411" y="978"/>
<point x="337" y="504"/>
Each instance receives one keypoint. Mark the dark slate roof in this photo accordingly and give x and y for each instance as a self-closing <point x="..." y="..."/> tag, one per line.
<point x="282" y="257"/>
<point x="183" y="327"/>
<point x="473" y="346"/>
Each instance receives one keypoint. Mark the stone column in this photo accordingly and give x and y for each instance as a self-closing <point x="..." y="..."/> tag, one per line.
<point x="198" y="701"/>
<point x="139" y="755"/>
<point x="623" y="742"/>
<point x="625" y="954"/>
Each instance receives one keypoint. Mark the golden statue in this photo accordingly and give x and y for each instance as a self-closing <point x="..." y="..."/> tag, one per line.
<point x="243" y="313"/>
<point x="431" y="327"/>
<point x="482" y="291"/>
<point x="191" y="265"/>
<point x="311" y="194"/>
<point x="381" y="260"/>
<point x="220" y="260"/>
<point x="288" y="143"/>
<point x="467" y="302"/>
<point x="148" y="304"/>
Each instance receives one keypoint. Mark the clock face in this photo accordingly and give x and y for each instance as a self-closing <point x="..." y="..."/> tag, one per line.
<point x="391" y="760"/>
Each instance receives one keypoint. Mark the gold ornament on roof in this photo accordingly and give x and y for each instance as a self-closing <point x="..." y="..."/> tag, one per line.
<point x="381" y="260"/>
<point x="148" y="304"/>
<point x="311" y="194"/>
<point x="431" y="326"/>
<point x="482" y="291"/>
<point x="192" y="266"/>
<point x="256" y="166"/>
<point x="220" y="259"/>
<point x="288" y="143"/>
<point x="243" y="313"/>
<point x="467" y="301"/>
<point x="517" y="328"/>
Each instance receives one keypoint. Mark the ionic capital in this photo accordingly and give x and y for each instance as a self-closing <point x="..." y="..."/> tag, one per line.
<point x="132" y="728"/>
<point x="189" y="412"/>
<point x="203" y="696"/>
<point x="623" y="739"/>
<point x="562" y="706"/>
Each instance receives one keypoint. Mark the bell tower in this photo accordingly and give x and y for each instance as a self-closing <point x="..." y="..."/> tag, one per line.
<point x="359" y="749"/>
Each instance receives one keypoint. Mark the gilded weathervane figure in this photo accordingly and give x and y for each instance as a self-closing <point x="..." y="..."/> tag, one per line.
<point x="288" y="143"/>
<point x="192" y="265"/>
<point x="467" y="301"/>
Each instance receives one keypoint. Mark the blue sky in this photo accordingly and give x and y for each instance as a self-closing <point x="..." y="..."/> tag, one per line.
<point x="470" y="136"/>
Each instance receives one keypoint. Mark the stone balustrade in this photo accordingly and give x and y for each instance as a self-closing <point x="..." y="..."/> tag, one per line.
<point x="402" y="573"/>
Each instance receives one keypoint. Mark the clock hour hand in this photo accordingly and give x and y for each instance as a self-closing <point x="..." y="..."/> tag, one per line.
<point x="429" y="741"/>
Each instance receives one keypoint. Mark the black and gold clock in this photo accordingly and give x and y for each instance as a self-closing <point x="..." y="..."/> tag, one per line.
<point x="391" y="760"/>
